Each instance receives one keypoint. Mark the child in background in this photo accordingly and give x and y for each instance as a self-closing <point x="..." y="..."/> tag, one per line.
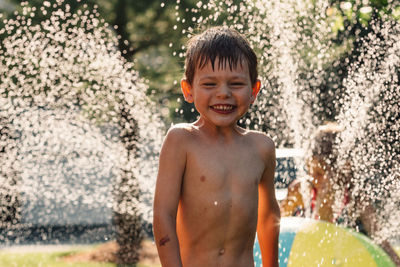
<point x="318" y="185"/>
<point x="215" y="185"/>
<point x="324" y="174"/>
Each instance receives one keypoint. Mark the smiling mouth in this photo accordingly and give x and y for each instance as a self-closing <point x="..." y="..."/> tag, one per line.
<point x="223" y="108"/>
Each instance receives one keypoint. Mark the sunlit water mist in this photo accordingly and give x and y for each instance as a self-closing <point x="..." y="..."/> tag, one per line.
<point x="79" y="136"/>
<point x="371" y="114"/>
<point x="297" y="58"/>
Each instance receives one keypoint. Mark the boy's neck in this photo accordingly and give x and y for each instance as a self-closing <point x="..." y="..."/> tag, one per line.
<point x="219" y="133"/>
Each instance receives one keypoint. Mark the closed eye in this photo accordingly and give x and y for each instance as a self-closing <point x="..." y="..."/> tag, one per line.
<point x="237" y="84"/>
<point x="209" y="84"/>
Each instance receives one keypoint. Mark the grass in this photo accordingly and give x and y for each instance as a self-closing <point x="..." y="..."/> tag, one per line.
<point x="47" y="259"/>
<point x="54" y="259"/>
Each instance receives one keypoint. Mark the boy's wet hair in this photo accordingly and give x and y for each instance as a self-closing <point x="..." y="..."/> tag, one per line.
<point x="228" y="45"/>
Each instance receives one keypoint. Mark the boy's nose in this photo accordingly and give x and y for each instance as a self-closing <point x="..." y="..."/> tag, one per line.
<point x="224" y="91"/>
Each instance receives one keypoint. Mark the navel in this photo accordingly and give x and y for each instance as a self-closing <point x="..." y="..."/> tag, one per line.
<point x="221" y="252"/>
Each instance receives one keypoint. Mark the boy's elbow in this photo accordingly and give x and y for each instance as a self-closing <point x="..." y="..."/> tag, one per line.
<point x="161" y="216"/>
<point x="156" y="218"/>
<point x="274" y="211"/>
<point x="275" y="216"/>
<point x="271" y="218"/>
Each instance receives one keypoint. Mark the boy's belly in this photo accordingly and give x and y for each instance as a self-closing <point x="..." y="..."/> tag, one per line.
<point x="217" y="229"/>
<point x="213" y="250"/>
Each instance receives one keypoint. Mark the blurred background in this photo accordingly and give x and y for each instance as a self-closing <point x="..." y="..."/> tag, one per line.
<point x="152" y="35"/>
<point x="89" y="88"/>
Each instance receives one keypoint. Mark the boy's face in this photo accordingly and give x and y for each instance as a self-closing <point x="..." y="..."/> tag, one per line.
<point x="221" y="96"/>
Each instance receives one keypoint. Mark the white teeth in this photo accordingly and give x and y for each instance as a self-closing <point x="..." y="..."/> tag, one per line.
<point x="223" y="107"/>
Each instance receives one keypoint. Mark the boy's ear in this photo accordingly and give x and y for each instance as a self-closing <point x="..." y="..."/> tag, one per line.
<point x="187" y="91"/>
<point x="255" y="90"/>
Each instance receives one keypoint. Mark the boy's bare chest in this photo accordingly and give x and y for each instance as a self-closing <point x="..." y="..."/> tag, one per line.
<point x="224" y="166"/>
<point x="221" y="182"/>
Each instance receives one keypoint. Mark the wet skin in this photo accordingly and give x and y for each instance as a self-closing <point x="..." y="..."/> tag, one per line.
<point x="217" y="214"/>
<point x="221" y="96"/>
<point x="210" y="176"/>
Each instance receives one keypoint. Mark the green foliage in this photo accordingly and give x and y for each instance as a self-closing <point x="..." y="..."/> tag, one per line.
<point x="345" y="15"/>
<point x="153" y="33"/>
<point x="48" y="259"/>
<point x="42" y="259"/>
<point x="152" y="38"/>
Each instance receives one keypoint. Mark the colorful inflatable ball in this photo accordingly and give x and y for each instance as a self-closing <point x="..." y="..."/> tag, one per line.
<point x="306" y="243"/>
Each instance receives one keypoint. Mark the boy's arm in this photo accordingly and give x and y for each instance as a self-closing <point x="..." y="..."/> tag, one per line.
<point x="268" y="212"/>
<point x="168" y="187"/>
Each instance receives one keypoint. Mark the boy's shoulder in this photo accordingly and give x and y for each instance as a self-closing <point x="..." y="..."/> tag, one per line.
<point x="181" y="128"/>
<point x="180" y="131"/>
<point x="262" y="140"/>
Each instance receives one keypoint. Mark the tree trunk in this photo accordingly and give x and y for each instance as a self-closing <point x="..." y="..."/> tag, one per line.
<point x="127" y="219"/>
<point x="10" y="199"/>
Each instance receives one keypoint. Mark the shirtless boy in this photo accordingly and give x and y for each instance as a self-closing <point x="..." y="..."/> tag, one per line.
<point x="215" y="185"/>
